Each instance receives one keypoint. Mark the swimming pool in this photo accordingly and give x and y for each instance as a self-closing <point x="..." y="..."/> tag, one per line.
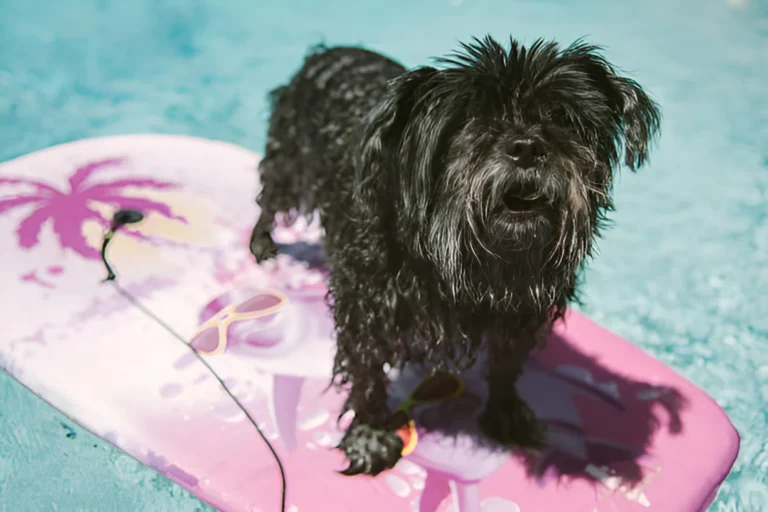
<point x="682" y="274"/>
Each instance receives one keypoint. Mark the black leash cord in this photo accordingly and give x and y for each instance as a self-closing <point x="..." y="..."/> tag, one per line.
<point x="121" y="218"/>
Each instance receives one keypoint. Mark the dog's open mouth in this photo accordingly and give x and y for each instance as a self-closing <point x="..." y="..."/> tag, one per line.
<point x="524" y="199"/>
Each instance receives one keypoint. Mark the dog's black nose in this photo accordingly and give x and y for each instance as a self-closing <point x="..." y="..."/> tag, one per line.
<point x="525" y="152"/>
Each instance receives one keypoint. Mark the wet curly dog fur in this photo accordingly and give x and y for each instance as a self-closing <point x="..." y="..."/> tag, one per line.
<point x="458" y="203"/>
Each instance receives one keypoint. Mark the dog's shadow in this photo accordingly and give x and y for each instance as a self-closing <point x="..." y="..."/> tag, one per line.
<point x="600" y="424"/>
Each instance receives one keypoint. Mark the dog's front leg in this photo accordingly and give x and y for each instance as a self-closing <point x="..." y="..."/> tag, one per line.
<point x="370" y="443"/>
<point x="507" y="419"/>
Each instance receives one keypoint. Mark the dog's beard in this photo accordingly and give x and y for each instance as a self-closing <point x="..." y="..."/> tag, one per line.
<point x="488" y="247"/>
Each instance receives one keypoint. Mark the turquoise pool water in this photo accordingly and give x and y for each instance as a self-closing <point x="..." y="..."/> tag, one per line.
<point x="684" y="273"/>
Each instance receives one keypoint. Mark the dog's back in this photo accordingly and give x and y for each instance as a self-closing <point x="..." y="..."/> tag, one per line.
<point x="312" y="122"/>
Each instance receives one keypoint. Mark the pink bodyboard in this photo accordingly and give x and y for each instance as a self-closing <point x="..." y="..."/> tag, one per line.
<point x="626" y="433"/>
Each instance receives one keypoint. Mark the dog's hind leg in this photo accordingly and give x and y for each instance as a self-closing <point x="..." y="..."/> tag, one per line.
<point x="280" y="172"/>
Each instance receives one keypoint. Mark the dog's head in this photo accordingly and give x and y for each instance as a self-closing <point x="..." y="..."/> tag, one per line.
<point x="496" y="168"/>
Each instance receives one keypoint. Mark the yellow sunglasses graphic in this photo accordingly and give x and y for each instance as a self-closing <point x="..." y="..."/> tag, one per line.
<point x="213" y="333"/>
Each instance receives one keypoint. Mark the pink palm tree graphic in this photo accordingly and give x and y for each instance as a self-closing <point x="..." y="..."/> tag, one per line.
<point x="69" y="210"/>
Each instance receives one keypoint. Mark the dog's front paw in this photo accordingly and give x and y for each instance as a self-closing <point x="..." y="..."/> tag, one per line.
<point x="262" y="246"/>
<point x="370" y="450"/>
<point x="511" y="422"/>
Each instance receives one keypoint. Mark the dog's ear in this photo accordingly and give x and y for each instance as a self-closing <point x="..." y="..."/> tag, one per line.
<point x="640" y="117"/>
<point x="636" y="115"/>
<point x="378" y="148"/>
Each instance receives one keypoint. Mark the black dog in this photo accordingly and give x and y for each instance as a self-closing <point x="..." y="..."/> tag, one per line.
<point x="458" y="205"/>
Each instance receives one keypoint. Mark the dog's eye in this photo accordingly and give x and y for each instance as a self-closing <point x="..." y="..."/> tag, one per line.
<point x="561" y="117"/>
<point x="569" y="121"/>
